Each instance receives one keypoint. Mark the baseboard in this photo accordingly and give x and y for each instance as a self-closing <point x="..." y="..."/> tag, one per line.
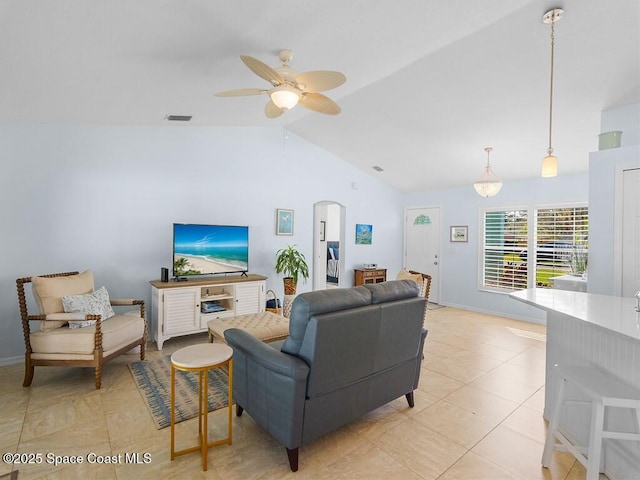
<point x="11" y="360"/>
<point x="520" y="318"/>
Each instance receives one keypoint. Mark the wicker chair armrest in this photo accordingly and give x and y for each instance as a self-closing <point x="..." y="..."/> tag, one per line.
<point x="117" y="302"/>
<point x="63" y="317"/>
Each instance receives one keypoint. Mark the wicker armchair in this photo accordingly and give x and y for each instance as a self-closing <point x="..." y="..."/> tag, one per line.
<point x="56" y="343"/>
<point x="426" y="284"/>
<point x="422" y="279"/>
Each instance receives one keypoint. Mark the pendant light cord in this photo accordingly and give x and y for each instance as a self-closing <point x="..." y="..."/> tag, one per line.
<point x="553" y="23"/>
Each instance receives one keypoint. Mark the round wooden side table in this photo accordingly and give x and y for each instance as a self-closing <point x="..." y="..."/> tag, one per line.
<point x="201" y="358"/>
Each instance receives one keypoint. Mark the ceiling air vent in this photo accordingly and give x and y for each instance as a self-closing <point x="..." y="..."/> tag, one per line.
<point x="378" y="169"/>
<point x="179" y="118"/>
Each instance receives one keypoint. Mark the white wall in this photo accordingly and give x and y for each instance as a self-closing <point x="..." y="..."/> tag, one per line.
<point x="459" y="261"/>
<point x="462" y="206"/>
<point x="104" y="198"/>
<point x="604" y="167"/>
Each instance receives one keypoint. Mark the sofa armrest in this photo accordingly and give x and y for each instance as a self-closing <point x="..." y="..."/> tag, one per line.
<point x="266" y="356"/>
<point x="270" y="385"/>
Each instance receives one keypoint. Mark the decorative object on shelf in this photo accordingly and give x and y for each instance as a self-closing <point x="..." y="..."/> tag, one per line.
<point x="550" y="162"/>
<point x="323" y="228"/>
<point x="284" y="221"/>
<point x="293" y="264"/>
<point x="459" y="233"/>
<point x="489" y="184"/>
<point x="364" y="234"/>
<point x="607" y="140"/>
<point x="288" y="87"/>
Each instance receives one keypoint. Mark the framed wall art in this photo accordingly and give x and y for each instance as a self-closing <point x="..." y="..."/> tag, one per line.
<point x="459" y="233"/>
<point x="284" y="221"/>
<point x="364" y="234"/>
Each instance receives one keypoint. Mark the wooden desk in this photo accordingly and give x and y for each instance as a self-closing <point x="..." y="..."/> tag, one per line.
<point x="373" y="275"/>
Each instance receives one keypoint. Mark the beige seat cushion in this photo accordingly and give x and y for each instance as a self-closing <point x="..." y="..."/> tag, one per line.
<point x="48" y="293"/>
<point x="117" y="332"/>
<point x="405" y="275"/>
<point x="266" y="326"/>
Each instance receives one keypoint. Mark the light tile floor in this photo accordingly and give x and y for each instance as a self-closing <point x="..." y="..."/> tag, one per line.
<point x="477" y="415"/>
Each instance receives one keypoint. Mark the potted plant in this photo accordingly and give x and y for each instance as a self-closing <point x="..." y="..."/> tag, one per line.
<point x="578" y="261"/>
<point x="293" y="264"/>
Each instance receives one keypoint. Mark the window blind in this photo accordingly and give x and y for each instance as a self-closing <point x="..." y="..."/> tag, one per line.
<point x="505" y="237"/>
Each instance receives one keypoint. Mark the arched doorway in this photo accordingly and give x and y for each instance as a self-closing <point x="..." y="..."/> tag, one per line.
<point x="328" y="244"/>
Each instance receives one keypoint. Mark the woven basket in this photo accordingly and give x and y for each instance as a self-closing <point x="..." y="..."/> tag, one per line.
<point x="271" y="295"/>
<point x="289" y="286"/>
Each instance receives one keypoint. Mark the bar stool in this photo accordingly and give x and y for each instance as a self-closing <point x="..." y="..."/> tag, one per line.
<point x="201" y="358"/>
<point x="602" y="390"/>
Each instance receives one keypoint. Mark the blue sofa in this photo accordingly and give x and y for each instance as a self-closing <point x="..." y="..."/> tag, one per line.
<point x="349" y="351"/>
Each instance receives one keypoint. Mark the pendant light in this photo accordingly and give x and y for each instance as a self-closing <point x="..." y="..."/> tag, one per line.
<point x="550" y="162"/>
<point x="488" y="185"/>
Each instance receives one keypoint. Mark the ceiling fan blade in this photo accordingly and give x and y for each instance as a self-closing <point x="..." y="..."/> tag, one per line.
<point x="241" y="92"/>
<point x="262" y="70"/>
<point x="319" y="103"/>
<point x="319" y="81"/>
<point x="272" y="111"/>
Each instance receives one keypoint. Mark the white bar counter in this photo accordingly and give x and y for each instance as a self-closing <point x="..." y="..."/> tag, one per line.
<point x="587" y="329"/>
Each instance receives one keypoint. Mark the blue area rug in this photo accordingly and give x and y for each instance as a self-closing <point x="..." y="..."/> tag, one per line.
<point x="153" y="379"/>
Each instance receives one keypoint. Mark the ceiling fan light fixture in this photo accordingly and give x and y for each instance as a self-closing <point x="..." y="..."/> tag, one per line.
<point x="284" y="96"/>
<point x="489" y="185"/>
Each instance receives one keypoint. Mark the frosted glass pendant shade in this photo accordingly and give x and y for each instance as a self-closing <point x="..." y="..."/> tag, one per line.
<point x="550" y="166"/>
<point x="284" y="97"/>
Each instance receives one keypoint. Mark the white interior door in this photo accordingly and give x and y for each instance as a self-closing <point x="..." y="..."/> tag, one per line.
<point x="630" y="232"/>
<point x="422" y="245"/>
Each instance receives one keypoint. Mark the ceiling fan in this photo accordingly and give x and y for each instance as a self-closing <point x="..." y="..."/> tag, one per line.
<point x="290" y="88"/>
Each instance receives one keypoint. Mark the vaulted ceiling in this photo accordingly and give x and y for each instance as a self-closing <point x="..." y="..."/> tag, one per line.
<point x="429" y="84"/>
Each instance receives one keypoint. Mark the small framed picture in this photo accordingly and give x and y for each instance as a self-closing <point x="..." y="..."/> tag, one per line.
<point x="323" y="227"/>
<point x="459" y="233"/>
<point x="284" y="221"/>
<point x="364" y="234"/>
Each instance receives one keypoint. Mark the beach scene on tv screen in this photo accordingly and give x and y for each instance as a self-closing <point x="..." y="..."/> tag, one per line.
<point x="209" y="249"/>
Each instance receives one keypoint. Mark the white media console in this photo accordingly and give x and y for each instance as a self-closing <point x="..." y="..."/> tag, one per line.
<point x="185" y="308"/>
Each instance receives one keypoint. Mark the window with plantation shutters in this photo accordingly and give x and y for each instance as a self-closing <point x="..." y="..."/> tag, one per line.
<point x="528" y="247"/>
<point x="561" y="243"/>
<point x="505" y="236"/>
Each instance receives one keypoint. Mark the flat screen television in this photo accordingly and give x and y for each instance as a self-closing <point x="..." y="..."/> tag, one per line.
<point x="209" y="249"/>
